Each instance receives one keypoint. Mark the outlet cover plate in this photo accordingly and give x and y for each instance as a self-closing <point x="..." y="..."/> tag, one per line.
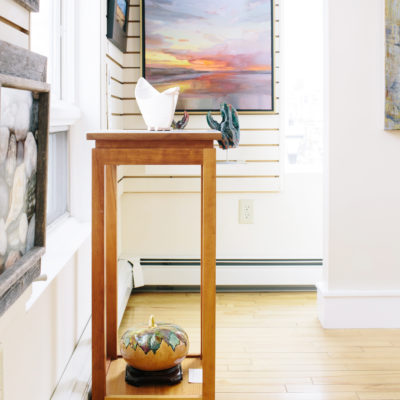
<point x="246" y="211"/>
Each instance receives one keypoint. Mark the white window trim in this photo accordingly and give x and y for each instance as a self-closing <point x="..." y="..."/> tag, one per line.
<point x="63" y="114"/>
<point x="66" y="234"/>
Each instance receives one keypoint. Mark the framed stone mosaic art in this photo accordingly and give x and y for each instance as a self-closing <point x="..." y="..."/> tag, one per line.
<point x="24" y="116"/>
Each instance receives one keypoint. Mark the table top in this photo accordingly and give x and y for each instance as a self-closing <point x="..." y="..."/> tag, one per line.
<point x="179" y="135"/>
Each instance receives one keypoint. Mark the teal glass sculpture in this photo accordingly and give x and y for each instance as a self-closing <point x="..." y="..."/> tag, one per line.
<point x="229" y="126"/>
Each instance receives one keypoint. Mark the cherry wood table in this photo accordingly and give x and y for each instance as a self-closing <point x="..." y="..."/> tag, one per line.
<point x="138" y="147"/>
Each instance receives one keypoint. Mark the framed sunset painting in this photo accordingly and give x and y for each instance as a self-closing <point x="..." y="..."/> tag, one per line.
<point x="215" y="51"/>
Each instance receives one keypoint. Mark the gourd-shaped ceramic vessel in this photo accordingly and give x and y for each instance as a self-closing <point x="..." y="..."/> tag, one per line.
<point x="157" y="108"/>
<point x="156" y="347"/>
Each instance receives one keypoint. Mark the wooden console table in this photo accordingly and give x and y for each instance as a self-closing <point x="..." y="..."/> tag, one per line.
<point x="189" y="147"/>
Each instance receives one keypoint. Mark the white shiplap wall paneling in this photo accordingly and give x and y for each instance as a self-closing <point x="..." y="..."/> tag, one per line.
<point x="131" y="76"/>
<point x="13" y="36"/>
<point x="15" y="13"/>
<point x="265" y="169"/>
<point x="133" y="29"/>
<point x="192" y="185"/>
<point x="14" y="23"/>
<point x="115" y="86"/>
<point x="196" y="121"/>
<point x="260" y="136"/>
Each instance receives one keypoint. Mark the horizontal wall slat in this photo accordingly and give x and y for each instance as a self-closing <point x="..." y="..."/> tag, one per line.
<point x="133" y="29"/>
<point x="115" y="70"/>
<point x="13" y="36"/>
<point x="15" y="13"/>
<point x="199" y="121"/>
<point x="248" y="169"/>
<point x="131" y="75"/>
<point x="116" y="88"/>
<point x="259" y="137"/>
<point x="129" y="88"/>
<point x="115" y="122"/>
<point x="130" y="106"/>
<point x="250" y="153"/>
<point x="133" y="44"/>
<point x="172" y="185"/>
<point x="115" y="53"/>
<point x="131" y="60"/>
<point x="116" y="105"/>
<point x="134" y="13"/>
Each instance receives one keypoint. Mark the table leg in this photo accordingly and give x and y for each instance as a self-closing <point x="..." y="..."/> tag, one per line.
<point x="201" y="263"/>
<point x="111" y="261"/>
<point x="98" y="300"/>
<point x="208" y="272"/>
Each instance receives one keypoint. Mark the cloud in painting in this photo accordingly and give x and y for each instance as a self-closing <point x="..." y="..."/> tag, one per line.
<point x="213" y="50"/>
<point x="166" y="11"/>
<point x="208" y="35"/>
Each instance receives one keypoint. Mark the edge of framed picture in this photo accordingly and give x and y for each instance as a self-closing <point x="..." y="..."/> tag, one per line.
<point x="214" y="52"/>
<point x="31" y="5"/>
<point x="117" y="22"/>
<point x="24" y="126"/>
<point x="392" y="65"/>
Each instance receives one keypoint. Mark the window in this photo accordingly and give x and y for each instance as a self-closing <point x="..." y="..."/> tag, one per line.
<point x="52" y="34"/>
<point x="57" y="178"/>
<point x="303" y="78"/>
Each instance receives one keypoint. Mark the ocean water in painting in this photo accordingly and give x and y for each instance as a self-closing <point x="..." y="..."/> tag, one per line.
<point x="214" y="51"/>
<point x="392" y="105"/>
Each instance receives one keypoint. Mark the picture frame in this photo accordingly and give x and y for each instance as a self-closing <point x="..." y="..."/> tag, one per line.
<point x="392" y="65"/>
<point x="22" y="74"/>
<point x="117" y="22"/>
<point x="243" y="76"/>
<point x="31" y="5"/>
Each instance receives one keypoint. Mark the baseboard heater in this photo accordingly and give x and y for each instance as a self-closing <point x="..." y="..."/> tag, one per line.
<point x="178" y="274"/>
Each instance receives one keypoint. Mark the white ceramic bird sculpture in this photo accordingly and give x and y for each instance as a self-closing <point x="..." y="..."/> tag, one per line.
<point x="157" y="108"/>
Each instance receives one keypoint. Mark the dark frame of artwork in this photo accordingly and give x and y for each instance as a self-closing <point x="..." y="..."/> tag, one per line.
<point x="116" y="32"/>
<point x="31" y="5"/>
<point x="24" y="70"/>
<point x="392" y="65"/>
<point x="241" y="74"/>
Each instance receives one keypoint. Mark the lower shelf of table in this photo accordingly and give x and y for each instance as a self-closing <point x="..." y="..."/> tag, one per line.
<point x="117" y="388"/>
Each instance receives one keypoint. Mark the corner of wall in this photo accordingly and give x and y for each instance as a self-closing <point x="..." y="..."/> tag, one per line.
<point x="357" y="309"/>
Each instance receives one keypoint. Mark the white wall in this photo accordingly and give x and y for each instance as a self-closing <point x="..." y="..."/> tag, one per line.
<point x="288" y="219"/>
<point x="362" y="213"/>
<point x="40" y="331"/>
<point x="286" y="224"/>
<point x="38" y="342"/>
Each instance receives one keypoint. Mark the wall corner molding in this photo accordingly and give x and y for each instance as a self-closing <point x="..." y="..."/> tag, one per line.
<point x="358" y="309"/>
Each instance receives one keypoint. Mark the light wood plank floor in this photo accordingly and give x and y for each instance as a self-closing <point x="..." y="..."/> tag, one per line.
<point x="270" y="346"/>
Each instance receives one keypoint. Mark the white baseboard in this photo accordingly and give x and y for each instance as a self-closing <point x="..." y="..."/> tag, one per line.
<point x="358" y="308"/>
<point x="233" y="275"/>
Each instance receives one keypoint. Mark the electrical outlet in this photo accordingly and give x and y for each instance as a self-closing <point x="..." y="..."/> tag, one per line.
<point x="246" y="211"/>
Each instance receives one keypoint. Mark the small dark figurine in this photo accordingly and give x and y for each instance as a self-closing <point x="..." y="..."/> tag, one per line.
<point x="181" y="123"/>
<point x="229" y="126"/>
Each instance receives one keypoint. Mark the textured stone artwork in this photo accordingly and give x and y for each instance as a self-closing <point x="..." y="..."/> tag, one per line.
<point x="18" y="162"/>
<point x="392" y="106"/>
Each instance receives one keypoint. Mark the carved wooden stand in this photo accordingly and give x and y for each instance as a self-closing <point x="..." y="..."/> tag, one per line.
<point x="144" y="148"/>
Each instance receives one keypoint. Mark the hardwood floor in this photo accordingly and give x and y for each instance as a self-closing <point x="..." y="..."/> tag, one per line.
<point x="270" y="346"/>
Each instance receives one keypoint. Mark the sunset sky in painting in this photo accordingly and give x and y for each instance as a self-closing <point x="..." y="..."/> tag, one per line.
<point x="208" y="35"/>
